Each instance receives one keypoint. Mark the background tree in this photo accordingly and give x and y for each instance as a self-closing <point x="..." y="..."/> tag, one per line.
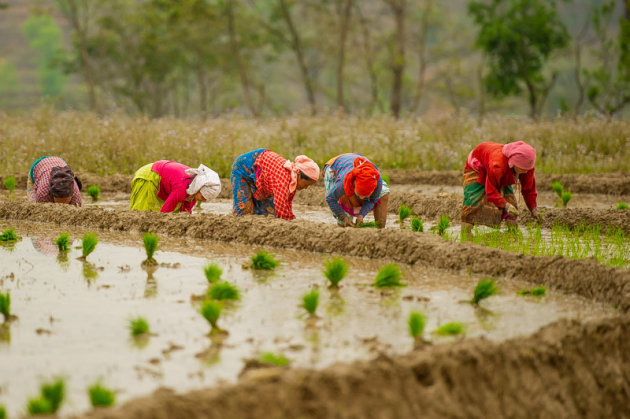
<point x="518" y="37"/>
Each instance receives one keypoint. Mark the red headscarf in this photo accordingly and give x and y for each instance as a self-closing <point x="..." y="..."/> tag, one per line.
<point x="363" y="178"/>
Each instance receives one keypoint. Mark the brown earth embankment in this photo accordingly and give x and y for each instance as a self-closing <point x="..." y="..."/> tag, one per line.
<point x="565" y="370"/>
<point x="585" y="277"/>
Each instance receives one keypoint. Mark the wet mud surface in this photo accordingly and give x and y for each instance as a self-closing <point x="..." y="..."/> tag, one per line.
<point x="73" y="315"/>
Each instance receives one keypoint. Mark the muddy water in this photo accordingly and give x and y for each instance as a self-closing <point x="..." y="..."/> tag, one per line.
<point x="73" y="317"/>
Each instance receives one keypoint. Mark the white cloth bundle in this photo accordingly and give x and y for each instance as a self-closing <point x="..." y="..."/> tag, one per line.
<point x="206" y="181"/>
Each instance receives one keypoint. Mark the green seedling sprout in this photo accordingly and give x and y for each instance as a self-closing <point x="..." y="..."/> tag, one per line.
<point x="369" y="224"/>
<point x="54" y="392"/>
<point x="39" y="406"/>
<point x="622" y="206"/>
<point x="388" y="276"/>
<point x="88" y="244"/>
<point x="336" y="270"/>
<point x="213" y="272"/>
<point x="9" y="183"/>
<point x="557" y="188"/>
<point x="101" y="396"/>
<point x="264" y="261"/>
<point x="442" y="225"/>
<point x="224" y="291"/>
<point x="403" y="213"/>
<point x="3" y="412"/>
<point x="485" y="288"/>
<point x="95" y="192"/>
<point x="5" y="306"/>
<point x="269" y="358"/>
<point x="417" y="225"/>
<point x="138" y="327"/>
<point x="566" y="197"/>
<point x="535" y="292"/>
<point x="9" y="235"/>
<point x="450" y="329"/>
<point x="63" y="242"/>
<point x="417" y="322"/>
<point x="385" y="178"/>
<point x="211" y="311"/>
<point x="150" y="241"/>
<point x="310" y="302"/>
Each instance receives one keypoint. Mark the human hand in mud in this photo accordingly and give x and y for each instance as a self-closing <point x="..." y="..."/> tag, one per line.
<point x="346" y="222"/>
<point x="511" y="210"/>
<point x="537" y="215"/>
<point x="359" y="221"/>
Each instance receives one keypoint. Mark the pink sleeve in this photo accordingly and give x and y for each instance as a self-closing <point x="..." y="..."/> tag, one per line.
<point x="173" y="199"/>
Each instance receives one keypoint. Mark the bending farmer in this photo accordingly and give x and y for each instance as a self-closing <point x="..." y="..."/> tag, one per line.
<point x="354" y="187"/>
<point x="491" y="170"/>
<point x="264" y="182"/>
<point x="168" y="186"/>
<point x="52" y="180"/>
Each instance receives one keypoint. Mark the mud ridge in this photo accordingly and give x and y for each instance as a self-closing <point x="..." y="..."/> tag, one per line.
<point x="585" y="277"/>
<point x="566" y="369"/>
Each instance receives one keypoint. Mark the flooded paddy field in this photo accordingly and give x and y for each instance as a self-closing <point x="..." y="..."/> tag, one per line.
<point x="73" y="315"/>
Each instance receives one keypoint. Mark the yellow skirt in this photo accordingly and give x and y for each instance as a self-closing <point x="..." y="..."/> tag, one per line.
<point x="144" y="189"/>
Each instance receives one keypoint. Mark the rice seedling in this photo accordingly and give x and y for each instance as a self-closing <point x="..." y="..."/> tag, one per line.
<point x="369" y="224"/>
<point x="63" y="242"/>
<point x="417" y="225"/>
<point x="310" y="301"/>
<point x="485" y="288"/>
<point x="138" y="327"/>
<point x="211" y="311"/>
<point x="94" y="192"/>
<point x="54" y="392"/>
<point x="150" y="241"/>
<point x="9" y="235"/>
<point x="442" y="225"/>
<point x="622" y="206"/>
<point x="417" y="322"/>
<point x="388" y="276"/>
<point x="566" y="197"/>
<point x="101" y="396"/>
<point x="403" y="213"/>
<point x="264" y="261"/>
<point x="536" y="292"/>
<point x="224" y="291"/>
<point x="270" y="358"/>
<point x="3" y="412"/>
<point x="336" y="269"/>
<point x="213" y="272"/>
<point x="450" y="329"/>
<point x="557" y="188"/>
<point x="39" y="406"/>
<point x="385" y="178"/>
<point x="9" y="183"/>
<point x="5" y="306"/>
<point x="88" y="244"/>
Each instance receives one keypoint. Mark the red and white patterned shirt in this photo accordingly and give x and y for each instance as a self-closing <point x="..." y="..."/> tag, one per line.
<point x="41" y="182"/>
<point x="273" y="180"/>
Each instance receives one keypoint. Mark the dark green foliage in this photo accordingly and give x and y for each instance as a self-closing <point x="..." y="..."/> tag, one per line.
<point x="224" y="291"/>
<point x="150" y="245"/>
<point x="9" y="183"/>
<point x="5" y="305"/>
<point x="9" y="235"/>
<point x="89" y="244"/>
<point x="270" y="358"/>
<point x="211" y="311"/>
<point x="263" y="260"/>
<point x="566" y="197"/>
<point x="101" y="396"/>
<point x="138" y="326"/>
<point x="63" y="242"/>
<point x="557" y="188"/>
<point x="417" y="225"/>
<point x="39" y="406"/>
<point x="536" y="292"/>
<point x="3" y="412"/>
<point x="369" y="224"/>
<point x="449" y="329"/>
<point x="485" y="288"/>
<point x="310" y="302"/>
<point x="213" y="272"/>
<point x="417" y="322"/>
<point x="622" y="206"/>
<point x="336" y="270"/>
<point x="389" y="276"/>
<point x="95" y="192"/>
<point x="403" y="212"/>
<point x="442" y="225"/>
<point x="518" y="36"/>
<point x="54" y="392"/>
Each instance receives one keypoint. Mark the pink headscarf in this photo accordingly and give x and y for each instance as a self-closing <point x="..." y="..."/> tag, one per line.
<point x="303" y="164"/>
<point x="520" y="154"/>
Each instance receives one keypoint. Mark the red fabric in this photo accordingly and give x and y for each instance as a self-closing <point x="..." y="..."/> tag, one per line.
<point x="272" y="179"/>
<point x="363" y="178"/>
<point x="41" y="184"/>
<point x="495" y="175"/>
<point x="173" y="184"/>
